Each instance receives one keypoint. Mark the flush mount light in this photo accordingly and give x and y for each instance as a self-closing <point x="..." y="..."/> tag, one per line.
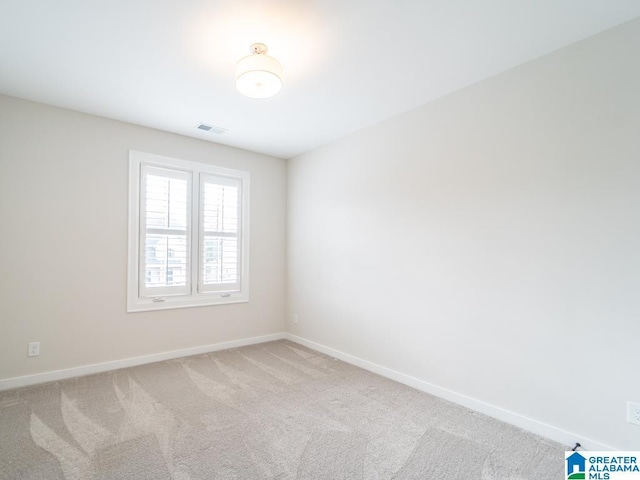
<point x="258" y="75"/>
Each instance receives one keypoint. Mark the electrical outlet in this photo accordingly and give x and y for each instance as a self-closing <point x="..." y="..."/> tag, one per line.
<point x="633" y="413"/>
<point x="34" y="349"/>
<point x="295" y="318"/>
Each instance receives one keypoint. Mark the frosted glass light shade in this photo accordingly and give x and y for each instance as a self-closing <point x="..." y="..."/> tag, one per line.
<point x="258" y="76"/>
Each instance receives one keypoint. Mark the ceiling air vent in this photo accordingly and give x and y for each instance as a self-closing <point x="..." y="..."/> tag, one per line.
<point x="211" y="128"/>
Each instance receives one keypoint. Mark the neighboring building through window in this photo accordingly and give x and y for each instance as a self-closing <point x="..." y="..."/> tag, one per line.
<point x="188" y="233"/>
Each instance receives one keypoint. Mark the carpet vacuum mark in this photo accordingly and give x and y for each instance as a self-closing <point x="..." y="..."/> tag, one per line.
<point x="270" y="411"/>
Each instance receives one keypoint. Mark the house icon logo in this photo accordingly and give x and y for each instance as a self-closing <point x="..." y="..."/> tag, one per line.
<point x="576" y="465"/>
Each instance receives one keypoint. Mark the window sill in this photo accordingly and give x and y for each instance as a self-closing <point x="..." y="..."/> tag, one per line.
<point x="146" y="305"/>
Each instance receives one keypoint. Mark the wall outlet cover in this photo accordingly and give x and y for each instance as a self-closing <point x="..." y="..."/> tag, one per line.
<point x="34" y="349"/>
<point x="633" y="412"/>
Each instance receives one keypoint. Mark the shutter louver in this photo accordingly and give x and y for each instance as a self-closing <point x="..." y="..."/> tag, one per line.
<point x="219" y="240"/>
<point x="165" y="226"/>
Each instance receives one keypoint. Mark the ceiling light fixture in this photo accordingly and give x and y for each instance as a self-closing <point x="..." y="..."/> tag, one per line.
<point x="258" y="75"/>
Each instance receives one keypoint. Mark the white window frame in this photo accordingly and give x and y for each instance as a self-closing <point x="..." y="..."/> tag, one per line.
<point x="195" y="294"/>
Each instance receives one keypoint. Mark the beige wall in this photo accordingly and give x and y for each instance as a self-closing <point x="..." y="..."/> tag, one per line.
<point x="489" y="242"/>
<point x="63" y="243"/>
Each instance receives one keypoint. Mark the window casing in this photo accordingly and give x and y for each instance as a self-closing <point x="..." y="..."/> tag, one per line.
<point x="188" y="234"/>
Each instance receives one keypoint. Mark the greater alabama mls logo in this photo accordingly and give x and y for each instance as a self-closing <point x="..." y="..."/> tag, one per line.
<point x="602" y="465"/>
<point x="576" y="464"/>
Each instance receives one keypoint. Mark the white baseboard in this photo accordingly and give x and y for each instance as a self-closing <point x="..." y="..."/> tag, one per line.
<point x="53" y="376"/>
<point x="540" y="428"/>
<point x="553" y="433"/>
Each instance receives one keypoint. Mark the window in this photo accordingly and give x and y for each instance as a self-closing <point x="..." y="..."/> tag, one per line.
<point x="188" y="234"/>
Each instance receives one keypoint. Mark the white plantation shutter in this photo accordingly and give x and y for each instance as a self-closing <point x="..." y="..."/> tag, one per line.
<point x="188" y="234"/>
<point x="164" y="232"/>
<point x="220" y="268"/>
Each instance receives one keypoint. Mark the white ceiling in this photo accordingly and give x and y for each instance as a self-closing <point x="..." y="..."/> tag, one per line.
<point x="348" y="64"/>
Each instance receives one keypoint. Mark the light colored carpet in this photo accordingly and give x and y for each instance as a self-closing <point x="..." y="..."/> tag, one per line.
<point x="271" y="411"/>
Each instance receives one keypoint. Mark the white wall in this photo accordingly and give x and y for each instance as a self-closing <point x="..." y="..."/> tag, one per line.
<point x="489" y="242"/>
<point x="63" y="243"/>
